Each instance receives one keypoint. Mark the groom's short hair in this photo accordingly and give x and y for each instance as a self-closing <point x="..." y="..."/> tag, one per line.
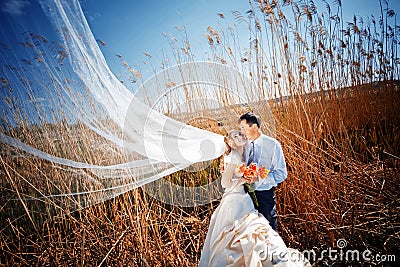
<point x="250" y="119"/>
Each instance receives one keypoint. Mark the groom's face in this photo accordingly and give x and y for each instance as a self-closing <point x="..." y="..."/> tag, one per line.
<point x="249" y="131"/>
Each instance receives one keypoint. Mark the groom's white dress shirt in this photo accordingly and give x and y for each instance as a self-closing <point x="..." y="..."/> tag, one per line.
<point x="268" y="153"/>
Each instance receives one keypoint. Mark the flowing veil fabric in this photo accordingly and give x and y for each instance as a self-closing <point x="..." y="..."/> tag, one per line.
<point x="87" y="137"/>
<point x="149" y="144"/>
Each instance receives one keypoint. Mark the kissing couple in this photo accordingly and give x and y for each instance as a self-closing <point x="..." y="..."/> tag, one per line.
<point x="243" y="228"/>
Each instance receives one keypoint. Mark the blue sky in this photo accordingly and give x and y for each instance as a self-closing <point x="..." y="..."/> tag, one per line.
<point x="130" y="27"/>
<point x="140" y="26"/>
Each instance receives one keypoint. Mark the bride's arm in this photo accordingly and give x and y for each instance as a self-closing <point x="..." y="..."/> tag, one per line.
<point x="227" y="175"/>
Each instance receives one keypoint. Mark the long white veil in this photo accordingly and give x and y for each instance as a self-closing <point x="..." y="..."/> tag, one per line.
<point x="117" y="140"/>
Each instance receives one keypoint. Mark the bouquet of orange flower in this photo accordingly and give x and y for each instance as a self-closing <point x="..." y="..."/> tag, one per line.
<point x="251" y="171"/>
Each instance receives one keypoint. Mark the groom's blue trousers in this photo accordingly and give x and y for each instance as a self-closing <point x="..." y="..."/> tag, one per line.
<point x="267" y="206"/>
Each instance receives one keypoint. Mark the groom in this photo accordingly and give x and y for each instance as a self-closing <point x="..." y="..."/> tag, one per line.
<point x="264" y="151"/>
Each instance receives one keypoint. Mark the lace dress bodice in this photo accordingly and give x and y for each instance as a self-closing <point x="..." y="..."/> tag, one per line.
<point x="237" y="182"/>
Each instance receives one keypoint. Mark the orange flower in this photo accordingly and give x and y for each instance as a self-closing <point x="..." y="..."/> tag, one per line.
<point x="241" y="168"/>
<point x="263" y="172"/>
<point x="250" y="170"/>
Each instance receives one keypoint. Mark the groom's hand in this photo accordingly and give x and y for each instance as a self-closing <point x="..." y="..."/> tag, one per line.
<point x="250" y="179"/>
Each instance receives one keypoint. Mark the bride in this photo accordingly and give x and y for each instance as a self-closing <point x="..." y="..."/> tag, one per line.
<point x="238" y="235"/>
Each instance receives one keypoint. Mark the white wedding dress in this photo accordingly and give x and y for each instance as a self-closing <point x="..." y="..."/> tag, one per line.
<point x="240" y="236"/>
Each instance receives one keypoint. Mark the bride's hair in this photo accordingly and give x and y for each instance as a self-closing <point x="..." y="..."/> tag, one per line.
<point x="228" y="147"/>
<point x="227" y="138"/>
